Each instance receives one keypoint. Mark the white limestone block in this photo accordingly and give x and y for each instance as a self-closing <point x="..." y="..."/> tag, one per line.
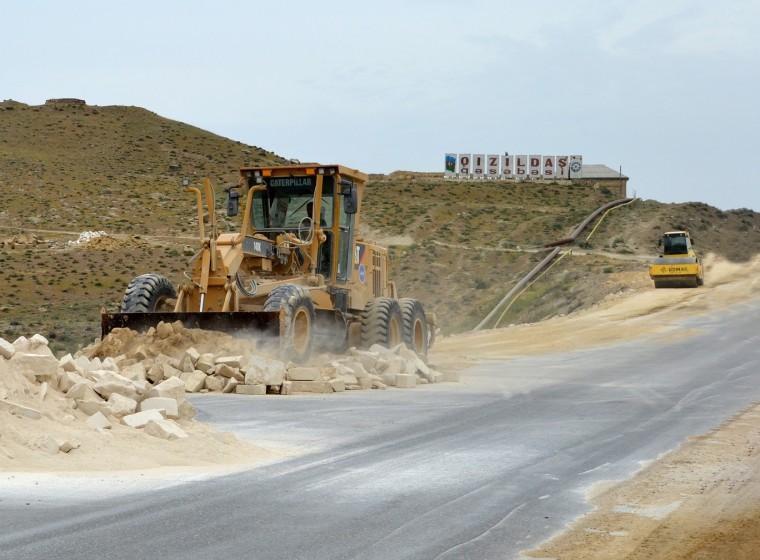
<point x="140" y="419"/>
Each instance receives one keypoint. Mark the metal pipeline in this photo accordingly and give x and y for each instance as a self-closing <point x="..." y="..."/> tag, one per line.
<point x="551" y="256"/>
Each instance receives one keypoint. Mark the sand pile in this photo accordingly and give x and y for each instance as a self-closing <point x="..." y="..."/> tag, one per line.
<point x="103" y="240"/>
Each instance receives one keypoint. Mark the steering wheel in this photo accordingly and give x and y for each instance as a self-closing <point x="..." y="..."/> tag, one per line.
<point x="305" y="229"/>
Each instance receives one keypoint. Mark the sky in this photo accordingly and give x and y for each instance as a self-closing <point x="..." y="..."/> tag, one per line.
<point x="666" y="90"/>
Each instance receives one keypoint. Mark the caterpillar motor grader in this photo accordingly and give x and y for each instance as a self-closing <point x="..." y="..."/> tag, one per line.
<point x="678" y="266"/>
<point x="297" y="269"/>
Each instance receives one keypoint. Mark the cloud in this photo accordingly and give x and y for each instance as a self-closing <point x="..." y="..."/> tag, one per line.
<point x="629" y="27"/>
<point x="719" y="29"/>
<point x="682" y="28"/>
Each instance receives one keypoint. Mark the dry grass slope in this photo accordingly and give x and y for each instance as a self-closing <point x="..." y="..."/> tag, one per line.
<point x="102" y="167"/>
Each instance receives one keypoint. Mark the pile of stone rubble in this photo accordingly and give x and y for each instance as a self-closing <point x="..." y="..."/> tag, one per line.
<point x="167" y="352"/>
<point x="34" y="383"/>
<point x="141" y="380"/>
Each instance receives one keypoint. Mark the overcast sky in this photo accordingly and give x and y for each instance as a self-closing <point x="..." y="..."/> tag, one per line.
<point x="667" y="89"/>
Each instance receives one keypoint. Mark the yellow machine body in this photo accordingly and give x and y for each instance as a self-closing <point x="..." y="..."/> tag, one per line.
<point x="678" y="266"/>
<point x="298" y="240"/>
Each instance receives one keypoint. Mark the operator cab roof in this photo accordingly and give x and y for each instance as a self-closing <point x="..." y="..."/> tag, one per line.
<point x="304" y="169"/>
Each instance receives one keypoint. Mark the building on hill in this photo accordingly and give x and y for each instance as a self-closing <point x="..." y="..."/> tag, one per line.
<point x="66" y="101"/>
<point x="602" y="176"/>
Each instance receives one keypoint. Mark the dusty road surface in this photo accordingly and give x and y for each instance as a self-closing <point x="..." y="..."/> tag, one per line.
<point x="699" y="502"/>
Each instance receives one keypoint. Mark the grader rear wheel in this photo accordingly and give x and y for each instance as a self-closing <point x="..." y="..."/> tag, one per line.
<point x="382" y="323"/>
<point x="415" y="326"/>
<point x="148" y="293"/>
<point x="295" y="326"/>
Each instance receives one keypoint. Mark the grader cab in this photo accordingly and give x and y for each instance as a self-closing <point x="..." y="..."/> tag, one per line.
<point x="297" y="270"/>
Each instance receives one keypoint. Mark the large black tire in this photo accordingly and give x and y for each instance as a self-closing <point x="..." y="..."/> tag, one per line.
<point x="297" y="317"/>
<point x="382" y="323"/>
<point x="415" y="324"/>
<point x="147" y="293"/>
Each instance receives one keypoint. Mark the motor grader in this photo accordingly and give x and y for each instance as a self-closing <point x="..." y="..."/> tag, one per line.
<point x="297" y="269"/>
<point x="678" y="266"/>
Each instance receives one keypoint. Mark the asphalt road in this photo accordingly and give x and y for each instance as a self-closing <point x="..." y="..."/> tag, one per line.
<point x="480" y="469"/>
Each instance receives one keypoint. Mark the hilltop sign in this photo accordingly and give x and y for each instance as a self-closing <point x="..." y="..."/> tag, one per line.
<point x="496" y="166"/>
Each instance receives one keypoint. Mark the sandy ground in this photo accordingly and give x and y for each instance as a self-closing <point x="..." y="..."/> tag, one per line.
<point x="700" y="501"/>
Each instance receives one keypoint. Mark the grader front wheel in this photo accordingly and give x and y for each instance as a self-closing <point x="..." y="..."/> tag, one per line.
<point x="295" y="326"/>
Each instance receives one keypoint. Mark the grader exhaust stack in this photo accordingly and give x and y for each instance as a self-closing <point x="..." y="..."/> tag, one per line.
<point x="297" y="269"/>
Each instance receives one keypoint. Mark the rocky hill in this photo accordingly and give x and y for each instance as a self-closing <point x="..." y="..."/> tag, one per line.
<point x="70" y="168"/>
<point x="70" y="165"/>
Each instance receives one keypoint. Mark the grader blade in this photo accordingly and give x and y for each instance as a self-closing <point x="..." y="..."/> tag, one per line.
<point x="234" y="322"/>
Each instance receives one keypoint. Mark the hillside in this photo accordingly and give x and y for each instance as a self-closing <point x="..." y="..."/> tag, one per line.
<point x="474" y="241"/>
<point x="459" y="246"/>
<point x="101" y="167"/>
